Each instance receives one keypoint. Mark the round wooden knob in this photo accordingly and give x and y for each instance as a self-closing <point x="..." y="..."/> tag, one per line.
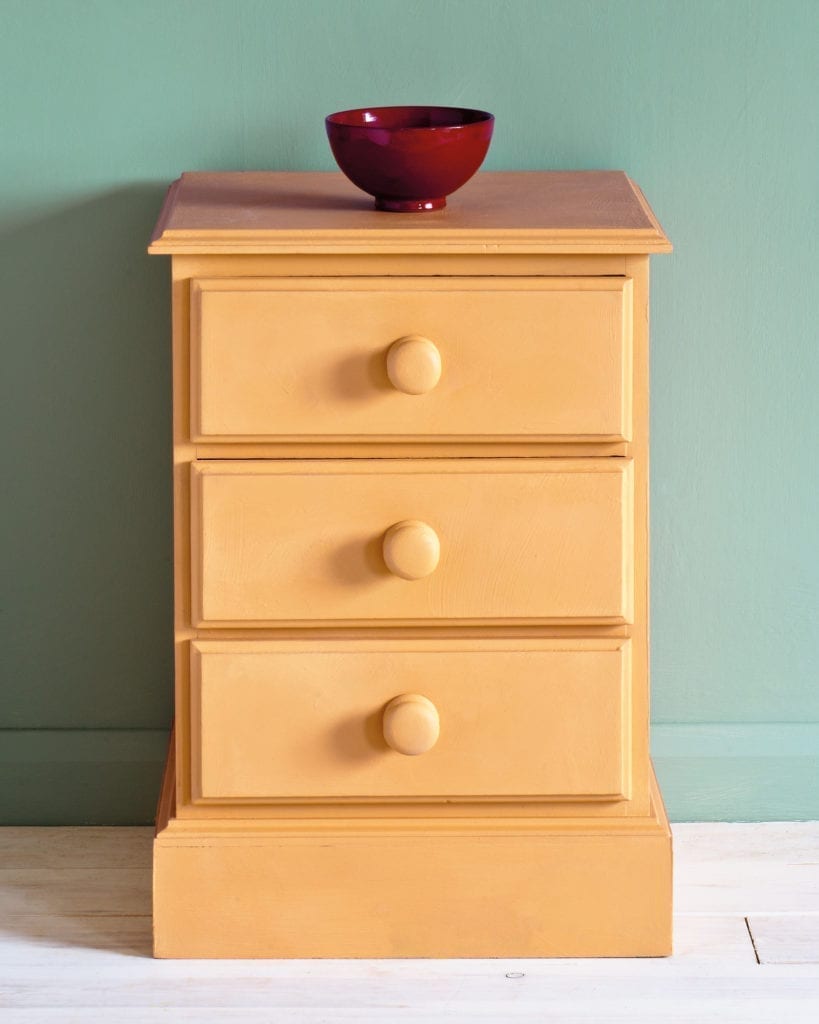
<point x="413" y="365"/>
<point x="411" y="724"/>
<point x="411" y="549"/>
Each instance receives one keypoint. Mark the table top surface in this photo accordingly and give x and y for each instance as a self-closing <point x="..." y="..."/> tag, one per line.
<point x="314" y="211"/>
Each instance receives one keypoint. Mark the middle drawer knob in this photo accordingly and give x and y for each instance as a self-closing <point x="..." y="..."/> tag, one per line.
<point x="413" y="365"/>
<point x="411" y="724"/>
<point x="411" y="549"/>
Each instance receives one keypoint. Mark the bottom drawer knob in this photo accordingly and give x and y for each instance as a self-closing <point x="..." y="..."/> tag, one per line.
<point x="411" y="724"/>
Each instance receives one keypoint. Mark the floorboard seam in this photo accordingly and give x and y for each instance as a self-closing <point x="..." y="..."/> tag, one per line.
<point x="751" y="937"/>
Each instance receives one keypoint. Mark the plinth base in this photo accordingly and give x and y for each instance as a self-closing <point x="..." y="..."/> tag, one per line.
<point x="465" y="888"/>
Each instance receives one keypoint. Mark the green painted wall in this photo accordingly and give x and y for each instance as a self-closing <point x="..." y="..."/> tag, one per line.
<point x="710" y="106"/>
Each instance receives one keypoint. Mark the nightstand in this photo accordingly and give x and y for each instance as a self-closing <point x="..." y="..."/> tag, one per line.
<point x="411" y="573"/>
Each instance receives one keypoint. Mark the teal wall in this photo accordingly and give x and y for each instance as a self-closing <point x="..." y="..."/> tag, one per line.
<point x="710" y="106"/>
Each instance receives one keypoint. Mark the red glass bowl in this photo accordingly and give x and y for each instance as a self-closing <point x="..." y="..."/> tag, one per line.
<point x="409" y="158"/>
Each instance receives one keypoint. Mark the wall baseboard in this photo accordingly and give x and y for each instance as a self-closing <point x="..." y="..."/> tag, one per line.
<point x="80" y="776"/>
<point x="708" y="772"/>
<point x="738" y="772"/>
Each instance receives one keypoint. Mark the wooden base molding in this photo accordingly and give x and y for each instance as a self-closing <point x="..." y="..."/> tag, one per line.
<point x="471" y="888"/>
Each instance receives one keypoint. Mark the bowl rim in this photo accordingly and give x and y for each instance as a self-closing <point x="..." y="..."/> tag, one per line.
<point x="484" y="117"/>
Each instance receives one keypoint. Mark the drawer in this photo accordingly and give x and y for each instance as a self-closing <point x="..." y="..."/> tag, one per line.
<point x="413" y="359"/>
<point x="411" y="541"/>
<point x="289" y="720"/>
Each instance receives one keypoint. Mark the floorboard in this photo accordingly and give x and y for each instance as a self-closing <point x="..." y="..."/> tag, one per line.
<point x="75" y="934"/>
<point x="786" y="938"/>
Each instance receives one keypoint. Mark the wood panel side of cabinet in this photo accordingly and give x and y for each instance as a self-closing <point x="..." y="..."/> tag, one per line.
<point x="637" y="268"/>
<point x="184" y="454"/>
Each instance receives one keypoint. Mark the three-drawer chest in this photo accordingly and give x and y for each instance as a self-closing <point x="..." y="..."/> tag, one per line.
<point x="411" y="573"/>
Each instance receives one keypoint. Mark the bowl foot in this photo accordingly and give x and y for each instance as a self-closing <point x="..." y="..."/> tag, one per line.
<point x="409" y="205"/>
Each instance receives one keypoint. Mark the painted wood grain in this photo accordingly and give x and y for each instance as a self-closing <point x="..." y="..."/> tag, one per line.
<point x="734" y="868"/>
<point x="96" y="890"/>
<point x="111" y="849"/>
<point x="522" y="212"/>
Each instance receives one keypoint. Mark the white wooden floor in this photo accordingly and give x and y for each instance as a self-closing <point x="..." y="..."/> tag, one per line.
<point x="75" y="947"/>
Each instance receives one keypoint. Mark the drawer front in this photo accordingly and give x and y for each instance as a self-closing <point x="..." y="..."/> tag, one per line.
<point x="515" y="358"/>
<point x="279" y="721"/>
<point x="412" y="541"/>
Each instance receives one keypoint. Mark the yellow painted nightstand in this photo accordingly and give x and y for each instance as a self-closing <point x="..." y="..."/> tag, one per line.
<point x="411" y="554"/>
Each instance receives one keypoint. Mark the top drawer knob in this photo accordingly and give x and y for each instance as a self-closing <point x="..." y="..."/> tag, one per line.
<point x="413" y="365"/>
<point x="411" y="549"/>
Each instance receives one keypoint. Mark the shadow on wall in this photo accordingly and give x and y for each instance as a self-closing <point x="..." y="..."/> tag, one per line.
<point x="86" y="513"/>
